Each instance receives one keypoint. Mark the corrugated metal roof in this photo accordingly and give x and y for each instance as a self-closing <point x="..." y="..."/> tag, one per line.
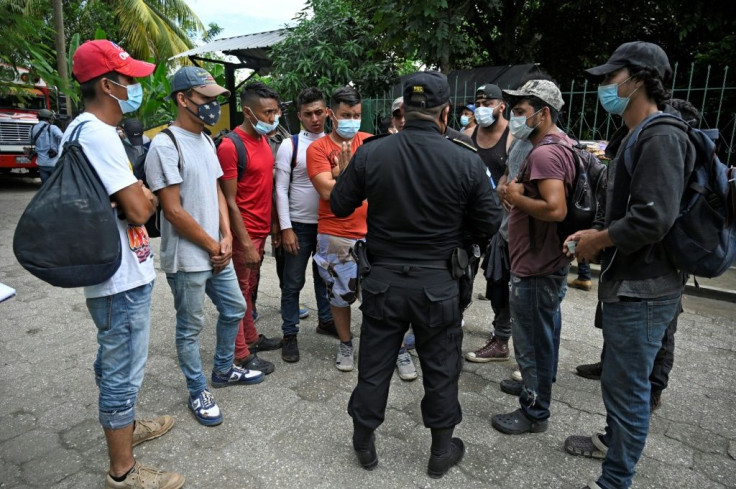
<point x="232" y="45"/>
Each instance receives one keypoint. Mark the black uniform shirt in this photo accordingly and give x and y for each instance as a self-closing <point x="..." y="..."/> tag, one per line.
<point x="424" y="194"/>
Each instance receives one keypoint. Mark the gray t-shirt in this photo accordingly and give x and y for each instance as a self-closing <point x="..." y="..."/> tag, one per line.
<point x="197" y="182"/>
<point x="518" y="152"/>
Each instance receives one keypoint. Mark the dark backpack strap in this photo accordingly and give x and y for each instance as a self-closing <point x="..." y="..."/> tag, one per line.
<point x="34" y="137"/>
<point x="659" y="117"/>
<point x="168" y="132"/>
<point x="241" y="151"/>
<point x="294" y="149"/>
<point x="75" y="133"/>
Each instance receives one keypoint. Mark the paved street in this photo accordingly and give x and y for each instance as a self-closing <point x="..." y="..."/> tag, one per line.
<point x="292" y="431"/>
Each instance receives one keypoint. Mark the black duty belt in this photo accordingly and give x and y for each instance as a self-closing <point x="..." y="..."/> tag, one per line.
<point x="392" y="262"/>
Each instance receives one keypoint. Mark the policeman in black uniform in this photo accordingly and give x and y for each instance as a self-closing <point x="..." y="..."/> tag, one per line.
<point x="424" y="192"/>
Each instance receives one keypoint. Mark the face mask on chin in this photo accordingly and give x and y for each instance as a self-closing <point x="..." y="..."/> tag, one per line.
<point x="261" y="127"/>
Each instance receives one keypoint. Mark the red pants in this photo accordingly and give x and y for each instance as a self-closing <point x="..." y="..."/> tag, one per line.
<point x="247" y="279"/>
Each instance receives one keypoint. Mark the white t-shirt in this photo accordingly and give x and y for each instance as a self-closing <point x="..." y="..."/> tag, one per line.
<point x="105" y="151"/>
<point x="296" y="201"/>
<point x="197" y="182"/>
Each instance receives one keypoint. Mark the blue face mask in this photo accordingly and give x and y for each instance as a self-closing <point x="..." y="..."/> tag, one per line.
<point x="609" y="99"/>
<point x="348" y="128"/>
<point x="263" y="128"/>
<point x="464" y="120"/>
<point x="135" y="97"/>
<point x="518" y="127"/>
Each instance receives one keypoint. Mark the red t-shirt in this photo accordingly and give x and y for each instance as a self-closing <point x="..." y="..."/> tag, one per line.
<point x="321" y="158"/>
<point x="546" y="161"/>
<point x="254" y="189"/>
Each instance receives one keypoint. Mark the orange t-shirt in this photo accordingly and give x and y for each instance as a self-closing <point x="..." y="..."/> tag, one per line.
<point x="321" y="158"/>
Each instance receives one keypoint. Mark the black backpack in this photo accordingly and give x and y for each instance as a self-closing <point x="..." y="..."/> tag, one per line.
<point x="702" y="240"/>
<point x="68" y="235"/>
<point x="239" y="148"/>
<point x="586" y="202"/>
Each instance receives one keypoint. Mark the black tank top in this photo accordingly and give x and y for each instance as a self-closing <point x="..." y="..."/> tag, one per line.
<point x="494" y="157"/>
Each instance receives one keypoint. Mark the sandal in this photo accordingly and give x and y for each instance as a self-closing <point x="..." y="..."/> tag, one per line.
<point x="586" y="446"/>
<point x="517" y="423"/>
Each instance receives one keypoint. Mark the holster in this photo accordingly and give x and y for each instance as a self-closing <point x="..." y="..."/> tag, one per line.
<point x="459" y="262"/>
<point x="359" y="252"/>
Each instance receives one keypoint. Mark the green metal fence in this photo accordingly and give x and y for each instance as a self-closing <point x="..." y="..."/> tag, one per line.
<point x="707" y="88"/>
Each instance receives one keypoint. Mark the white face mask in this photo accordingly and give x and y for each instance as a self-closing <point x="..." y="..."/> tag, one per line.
<point x="484" y="116"/>
<point x="518" y="127"/>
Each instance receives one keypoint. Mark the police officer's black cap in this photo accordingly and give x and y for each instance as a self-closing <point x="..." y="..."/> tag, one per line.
<point x="426" y="89"/>
<point x="636" y="54"/>
<point x="488" y="91"/>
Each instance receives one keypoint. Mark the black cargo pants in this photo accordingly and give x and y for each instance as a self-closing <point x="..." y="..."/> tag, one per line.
<point x="394" y="297"/>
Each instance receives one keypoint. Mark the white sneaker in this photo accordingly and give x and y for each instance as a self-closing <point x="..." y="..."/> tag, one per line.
<point x="405" y="365"/>
<point x="344" y="360"/>
<point x="516" y="375"/>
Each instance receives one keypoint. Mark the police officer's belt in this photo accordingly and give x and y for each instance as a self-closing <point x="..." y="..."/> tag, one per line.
<point x="394" y="262"/>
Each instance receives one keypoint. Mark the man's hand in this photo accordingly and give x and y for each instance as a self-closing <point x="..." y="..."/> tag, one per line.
<point x="513" y="191"/>
<point x="289" y="241"/>
<point x="149" y="195"/>
<point x="590" y="242"/>
<point x="251" y="256"/>
<point x="501" y="191"/>
<point x="342" y="159"/>
<point x="275" y="234"/>
<point x="221" y="260"/>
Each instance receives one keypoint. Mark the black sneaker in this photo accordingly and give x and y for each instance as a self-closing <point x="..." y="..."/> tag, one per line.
<point x="265" y="344"/>
<point x="513" y="387"/>
<point x="290" y="349"/>
<point x="327" y="327"/>
<point x="252" y="362"/>
<point x="439" y="465"/>
<point x="590" y="371"/>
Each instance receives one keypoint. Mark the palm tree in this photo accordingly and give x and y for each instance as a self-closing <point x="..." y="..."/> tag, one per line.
<point x="156" y="29"/>
<point x="148" y="29"/>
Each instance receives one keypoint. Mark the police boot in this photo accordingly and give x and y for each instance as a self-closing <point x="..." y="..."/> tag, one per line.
<point x="446" y="451"/>
<point x="364" y="443"/>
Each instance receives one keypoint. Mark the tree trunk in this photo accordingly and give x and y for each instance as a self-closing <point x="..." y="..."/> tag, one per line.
<point x="60" y="43"/>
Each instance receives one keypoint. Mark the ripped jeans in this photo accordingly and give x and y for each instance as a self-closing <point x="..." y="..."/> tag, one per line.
<point x="535" y="303"/>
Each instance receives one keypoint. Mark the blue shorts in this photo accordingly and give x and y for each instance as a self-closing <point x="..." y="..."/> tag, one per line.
<point x="337" y="268"/>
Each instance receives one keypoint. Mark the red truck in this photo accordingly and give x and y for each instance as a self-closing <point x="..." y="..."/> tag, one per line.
<point x="19" y="108"/>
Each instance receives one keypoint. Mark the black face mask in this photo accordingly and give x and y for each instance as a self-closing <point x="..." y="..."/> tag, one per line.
<point x="208" y="112"/>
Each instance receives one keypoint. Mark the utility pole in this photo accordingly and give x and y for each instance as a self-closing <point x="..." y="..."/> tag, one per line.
<point x="61" y="50"/>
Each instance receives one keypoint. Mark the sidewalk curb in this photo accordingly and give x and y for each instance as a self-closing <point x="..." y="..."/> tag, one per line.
<point x="706" y="291"/>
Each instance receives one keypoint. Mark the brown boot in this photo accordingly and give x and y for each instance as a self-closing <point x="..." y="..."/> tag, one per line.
<point x="496" y="350"/>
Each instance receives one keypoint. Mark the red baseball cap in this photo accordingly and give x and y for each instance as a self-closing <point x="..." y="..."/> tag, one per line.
<point x="95" y="58"/>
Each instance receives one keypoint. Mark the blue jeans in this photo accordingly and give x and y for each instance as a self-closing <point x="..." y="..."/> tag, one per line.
<point x="294" y="276"/>
<point x="189" y="289"/>
<point x="535" y="324"/>
<point x="45" y="172"/>
<point x="583" y="270"/>
<point x="122" y="322"/>
<point x="632" y="332"/>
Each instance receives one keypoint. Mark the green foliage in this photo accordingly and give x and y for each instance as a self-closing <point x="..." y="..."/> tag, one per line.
<point x="334" y="47"/>
<point x="156" y="109"/>
<point x="26" y="42"/>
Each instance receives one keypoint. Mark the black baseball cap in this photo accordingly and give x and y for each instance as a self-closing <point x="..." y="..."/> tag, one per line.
<point x="426" y="89"/>
<point x="638" y="54"/>
<point x="488" y="91"/>
<point x="134" y="131"/>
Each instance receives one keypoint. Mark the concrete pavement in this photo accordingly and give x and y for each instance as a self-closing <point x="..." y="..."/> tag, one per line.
<point x="292" y="431"/>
